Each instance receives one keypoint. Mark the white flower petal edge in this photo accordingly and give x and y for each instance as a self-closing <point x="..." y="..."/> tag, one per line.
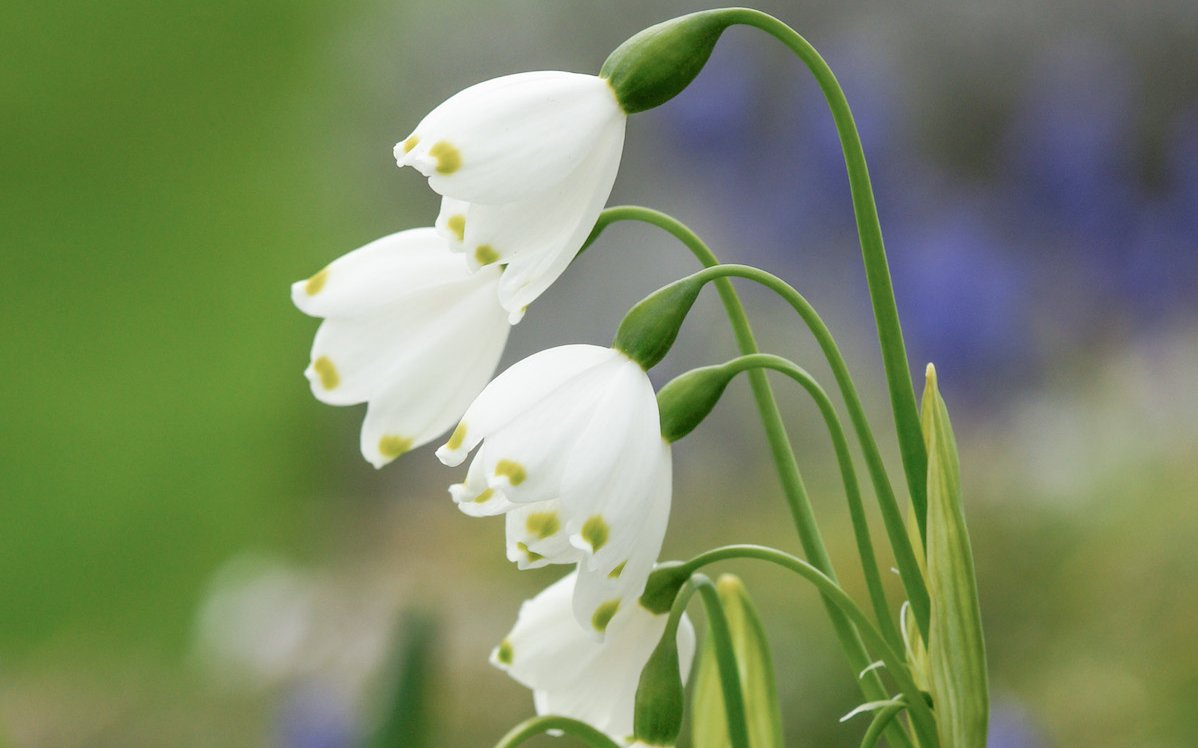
<point x="512" y="137"/>
<point x="573" y="675"/>
<point x="572" y="453"/>
<point x="409" y="330"/>
<point x="525" y="163"/>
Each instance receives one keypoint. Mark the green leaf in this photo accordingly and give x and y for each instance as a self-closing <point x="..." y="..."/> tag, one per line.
<point x="956" y="650"/>
<point x="407" y="723"/>
<point x="756" y="676"/>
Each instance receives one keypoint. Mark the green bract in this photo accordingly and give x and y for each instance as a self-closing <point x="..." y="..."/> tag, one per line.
<point x="956" y="652"/>
<point x="658" y="63"/>
<point x="762" y="715"/>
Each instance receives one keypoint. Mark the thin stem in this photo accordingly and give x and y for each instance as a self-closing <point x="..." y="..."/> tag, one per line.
<point x="775" y="431"/>
<point x="873" y="253"/>
<point x="538" y="725"/>
<point x="865" y="549"/>
<point x="881" y="721"/>
<point x="721" y="634"/>
<point x="892" y="517"/>
<point x="921" y="715"/>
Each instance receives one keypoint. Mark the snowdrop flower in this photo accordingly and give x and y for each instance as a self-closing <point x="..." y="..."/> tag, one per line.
<point x="525" y="164"/>
<point x="571" y="674"/>
<point x="573" y="455"/>
<point x="407" y="329"/>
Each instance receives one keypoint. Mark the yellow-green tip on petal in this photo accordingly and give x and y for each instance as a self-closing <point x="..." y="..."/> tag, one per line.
<point x="392" y="446"/>
<point x="595" y="532"/>
<point x="316" y="282"/>
<point x="603" y="615"/>
<point x="616" y="572"/>
<point x="485" y="496"/>
<point x="543" y="524"/>
<point x="504" y="653"/>
<point x="410" y="143"/>
<point x="485" y="254"/>
<point x="458" y="437"/>
<point x="529" y="554"/>
<point x="324" y="368"/>
<point x="457" y="224"/>
<point x="512" y="469"/>
<point x="449" y="158"/>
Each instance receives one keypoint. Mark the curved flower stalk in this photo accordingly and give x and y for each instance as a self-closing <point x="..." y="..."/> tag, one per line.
<point x="572" y="675"/>
<point x="572" y="453"/>
<point x="525" y="163"/>
<point x="407" y="329"/>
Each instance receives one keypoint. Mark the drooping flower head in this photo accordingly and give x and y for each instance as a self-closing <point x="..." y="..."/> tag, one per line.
<point x="573" y="675"/>
<point x="525" y="164"/>
<point x="407" y="329"/>
<point x="571" y="451"/>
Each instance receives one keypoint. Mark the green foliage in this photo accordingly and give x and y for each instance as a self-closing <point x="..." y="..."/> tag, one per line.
<point x="756" y="676"/>
<point x="956" y="650"/>
<point x="406" y="724"/>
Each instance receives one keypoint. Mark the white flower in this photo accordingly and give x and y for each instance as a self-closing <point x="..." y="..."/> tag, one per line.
<point x="525" y="164"/>
<point x="571" y="674"/>
<point x="409" y="330"/>
<point x="573" y="455"/>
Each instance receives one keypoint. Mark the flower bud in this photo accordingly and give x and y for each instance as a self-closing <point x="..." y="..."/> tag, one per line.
<point x="660" y="697"/>
<point x="655" y="65"/>
<point x="650" y="328"/>
<point x="955" y="649"/>
<point x="687" y="399"/>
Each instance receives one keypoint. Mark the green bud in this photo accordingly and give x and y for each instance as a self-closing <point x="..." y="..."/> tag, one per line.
<point x="687" y="399"/>
<point x="763" y="716"/>
<point x="660" y="697"/>
<point x="650" y="328"/>
<point x="663" y="585"/>
<point x="956" y="651"/>
<point x="656" y="65"/>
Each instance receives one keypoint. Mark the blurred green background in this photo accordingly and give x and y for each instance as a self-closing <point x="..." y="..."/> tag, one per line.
<point x="194" y="552"/>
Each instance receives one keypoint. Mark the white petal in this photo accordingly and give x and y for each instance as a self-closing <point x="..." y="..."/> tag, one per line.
<point x="379" y="274"/>
<point x="474" y="497"/>
<point x="451" y="222"/>
<point x="517" y="389"/>
<point x="511" y="137"/>
<point x="439" y="380"/>
<point x="536" y="536"/>
<point x="578" y="206"/>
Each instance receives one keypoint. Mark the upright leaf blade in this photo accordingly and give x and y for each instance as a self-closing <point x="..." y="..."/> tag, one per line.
<point x="956" y="650"/>
<point x="764" y="718"/>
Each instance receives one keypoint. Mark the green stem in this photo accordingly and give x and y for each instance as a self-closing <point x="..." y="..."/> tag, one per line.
<point x="921" y="715"/>
<point x="865" y="548"/>
<point x="538" y="725"/>
<point x="873" y="253"/>
<point x="721" y="634"/>
<point x="775" y="431"/>
<point x="892" y="518"/>
<point x="881" y="721"/>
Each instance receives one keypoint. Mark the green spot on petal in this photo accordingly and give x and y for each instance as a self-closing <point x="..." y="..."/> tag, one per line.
<point x="457" y="224"/>
<point x="616" y="572"/>
<point x="394" y="446"/>
<point x="543" y="524"/>
<point x="512" y="469"/>
<point x="316" y="282"/>
<point x="486" y="254"/>
<point x="603" y="615"/>
<point x="485" y="496"/>
<point x="595" y="532"/>
<point x="458" y="437"/>
<point x="411" y="143"/>
<point x="449" y="159"/>
<point x="329" y="379"/>
<point x="532" y="555"/>
<point x="504" y="652"/>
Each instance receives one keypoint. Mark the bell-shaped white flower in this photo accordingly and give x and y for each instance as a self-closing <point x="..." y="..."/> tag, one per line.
<point x="572" y="453"/>
<point x="525" y="164"/>
<point x="407" y="329"/>
<point x="573" y="675"/>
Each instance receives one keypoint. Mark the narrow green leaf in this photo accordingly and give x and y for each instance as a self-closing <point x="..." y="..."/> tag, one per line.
<point x="756" y="676"/>
<point x="407" y="723"/>
<point x="956" y="650"/>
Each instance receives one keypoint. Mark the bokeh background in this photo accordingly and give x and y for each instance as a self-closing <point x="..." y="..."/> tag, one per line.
<point x="193" y="551"/>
